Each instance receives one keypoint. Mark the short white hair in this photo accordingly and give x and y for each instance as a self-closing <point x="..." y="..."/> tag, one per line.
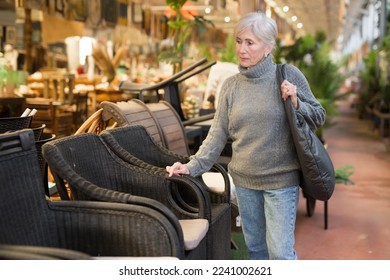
<point x="263" y="27"/>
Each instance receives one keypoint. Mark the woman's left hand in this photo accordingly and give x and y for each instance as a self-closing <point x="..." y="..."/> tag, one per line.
<point x="288" y="89"/>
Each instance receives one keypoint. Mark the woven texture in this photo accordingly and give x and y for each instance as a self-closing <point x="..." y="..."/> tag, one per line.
<point x="171" y="127"/>
<point x="135" y="227"/>
<point x="101" y="175"/>
<point x="133" y="112"/>
<point x="38" y="131"/>
<point x="134" y="145"/>
<point x="15" y="123"/>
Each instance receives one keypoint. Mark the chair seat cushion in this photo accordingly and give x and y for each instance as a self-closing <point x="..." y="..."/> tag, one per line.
<point x="214" y="181"/>
<point x="194" y="230"/>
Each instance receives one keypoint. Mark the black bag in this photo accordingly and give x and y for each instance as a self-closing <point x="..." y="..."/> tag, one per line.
<point x="318" y="175"/>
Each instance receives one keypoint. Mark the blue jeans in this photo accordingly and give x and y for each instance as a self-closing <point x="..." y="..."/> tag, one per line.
<point x="268" y="221"/>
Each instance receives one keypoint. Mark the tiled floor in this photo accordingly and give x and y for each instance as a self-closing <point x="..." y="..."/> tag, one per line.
<point x="359" y="214"/>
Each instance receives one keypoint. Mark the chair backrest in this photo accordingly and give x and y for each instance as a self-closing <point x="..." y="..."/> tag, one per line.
<point x="95" y="123"/>
<point x="171" y="127"/>
<point x="46" y="137"/>
<point x="38" y="131"/>
<point x="86" y="157"/>
<point x="25" y="217"/>
<point x="14" y="123"/>
<point x="170" y="86"/>
<point x="133" y="112"/>
<point x="137" y="142"/>
<point x="81" y="113"/>
<point x="160" y="120"/>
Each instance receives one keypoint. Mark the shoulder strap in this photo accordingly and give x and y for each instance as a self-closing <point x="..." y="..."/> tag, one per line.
<point x="280" y="73"/>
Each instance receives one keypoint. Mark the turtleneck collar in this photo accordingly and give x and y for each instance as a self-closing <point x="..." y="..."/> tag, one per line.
<point x="259" y="69"/>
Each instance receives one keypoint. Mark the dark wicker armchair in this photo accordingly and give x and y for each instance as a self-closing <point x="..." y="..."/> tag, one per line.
<point x="94" y="172"/>
<point x="135" y="227"/>
<point x="135" y="145"/>
<point x="14" y="123"/>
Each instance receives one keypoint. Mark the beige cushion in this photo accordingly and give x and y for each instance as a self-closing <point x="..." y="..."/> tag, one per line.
<point x="214" y="181"/>
<point x="194" y="230"/>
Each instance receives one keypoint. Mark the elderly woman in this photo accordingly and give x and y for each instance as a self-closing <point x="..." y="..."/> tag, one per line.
<point x="264" y="164"/>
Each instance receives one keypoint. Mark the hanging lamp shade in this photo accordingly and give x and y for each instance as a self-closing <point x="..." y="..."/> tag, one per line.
<point x="188" y="11"/>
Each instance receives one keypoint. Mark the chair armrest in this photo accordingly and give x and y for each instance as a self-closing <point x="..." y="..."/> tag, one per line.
<point x="115" y="229"/>
<point x="156" y="158"/>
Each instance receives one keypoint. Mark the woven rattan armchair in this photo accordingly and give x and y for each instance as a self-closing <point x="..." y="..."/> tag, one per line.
<point x="14" y="123"/>
<point x="163" y="124"/>
<point x="94" y="172"/>
<point x="136" y="146"/>
<point x="135" y="227"/>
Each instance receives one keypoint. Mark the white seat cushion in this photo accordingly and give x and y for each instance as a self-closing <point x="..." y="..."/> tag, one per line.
<point x="214" y="181"/>
<point x="194" y="230"/>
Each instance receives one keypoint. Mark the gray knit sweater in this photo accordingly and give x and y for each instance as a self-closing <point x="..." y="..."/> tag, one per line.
<point x="251" y="112"/>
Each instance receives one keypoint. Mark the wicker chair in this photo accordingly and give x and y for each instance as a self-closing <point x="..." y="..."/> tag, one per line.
<point x="95" y="123"/>
<point x="14" y="123"/>
<point x="46" y="137"/>
<point x="38" y="131"/>
<point x="170" y="86"/>
<point x="94" y="172"/>
<point x="136" y="146"/>
<point x="135" y="227"/>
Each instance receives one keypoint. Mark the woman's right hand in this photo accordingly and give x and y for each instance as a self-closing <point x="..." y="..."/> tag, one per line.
<point x="177" y="168"/>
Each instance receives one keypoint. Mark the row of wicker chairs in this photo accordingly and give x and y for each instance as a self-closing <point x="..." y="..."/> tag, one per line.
<point x="202" y="222"/>
<point x="29" y="220"/>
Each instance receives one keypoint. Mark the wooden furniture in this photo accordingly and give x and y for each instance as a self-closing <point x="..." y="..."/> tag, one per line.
<point x="57" y="121"/>
<point x="11" y="105"/>
<point x="95" y="124"/>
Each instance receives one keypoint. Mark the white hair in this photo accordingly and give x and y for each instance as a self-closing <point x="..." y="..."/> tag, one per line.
<point x="263" y="27"/>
